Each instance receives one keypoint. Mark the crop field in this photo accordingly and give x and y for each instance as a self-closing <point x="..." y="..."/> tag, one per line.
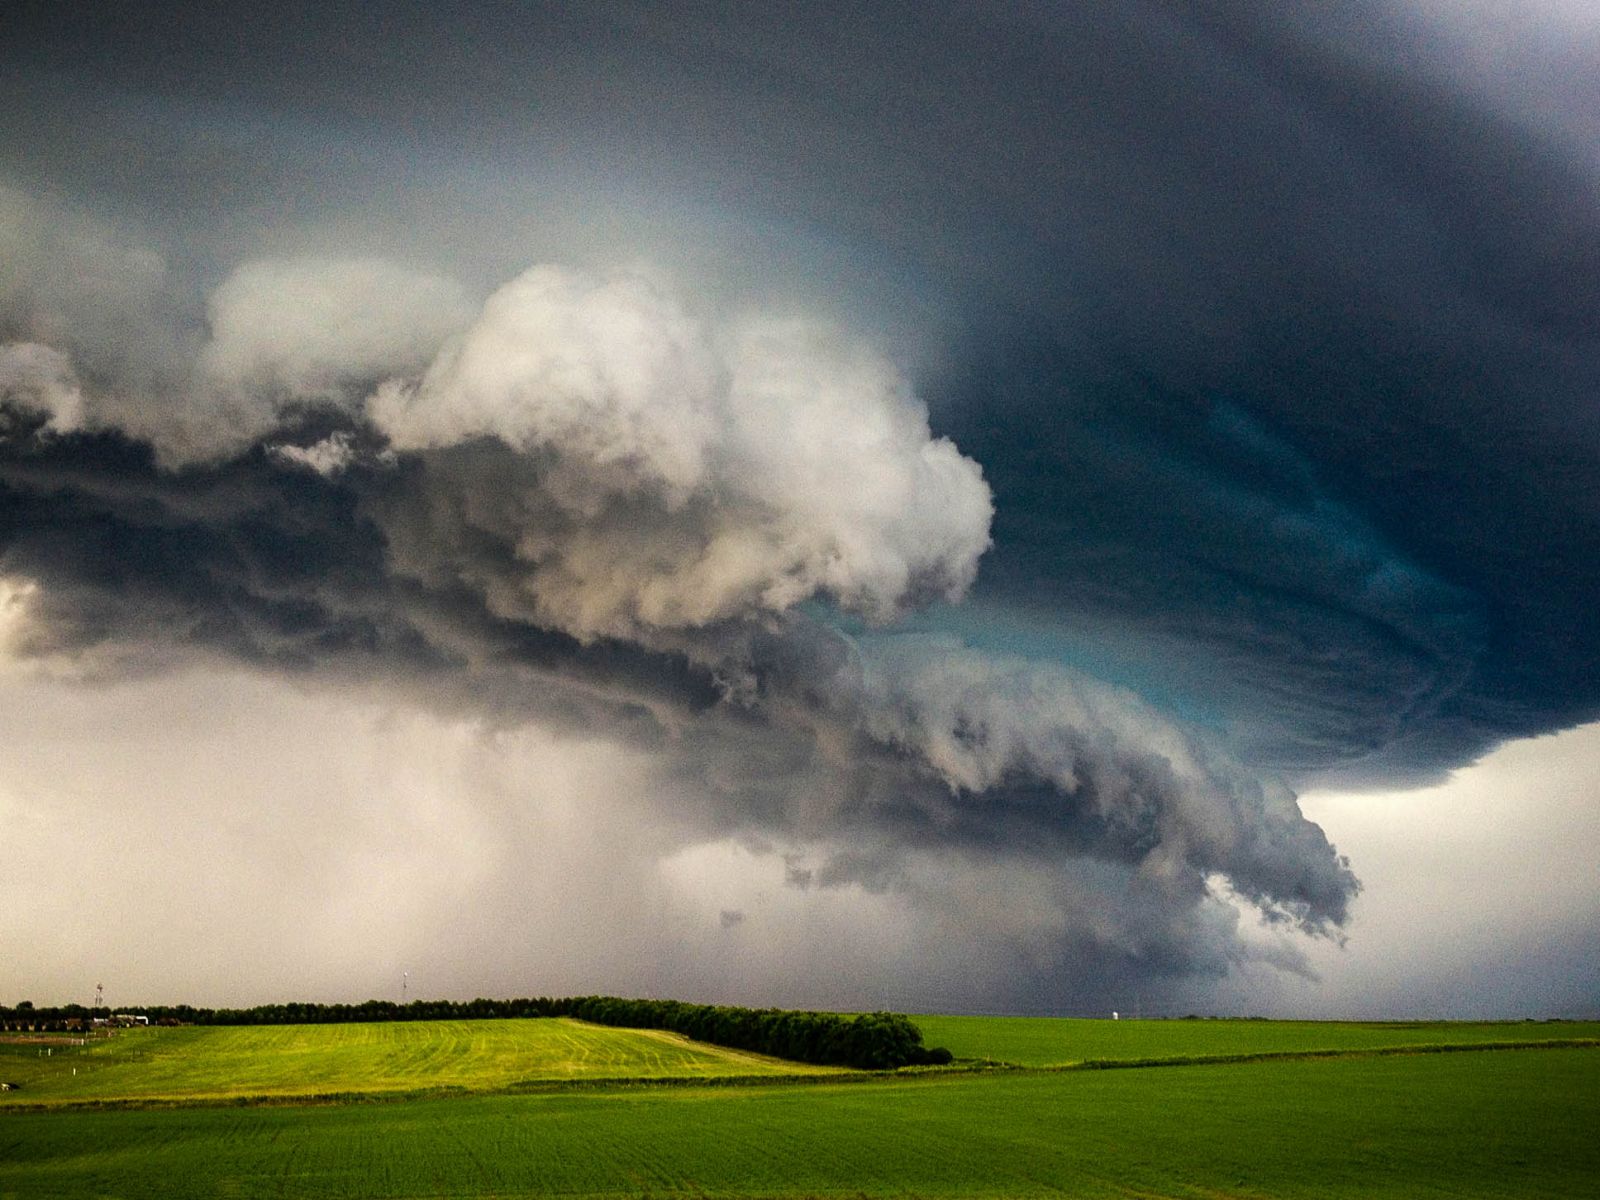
<point x="318" y="1060"/>
<point x="1481" y="1123"/>
<point x="1059" y="1041"/>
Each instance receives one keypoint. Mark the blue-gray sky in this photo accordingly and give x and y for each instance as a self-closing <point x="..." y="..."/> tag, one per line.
<point x="936" y="482"/>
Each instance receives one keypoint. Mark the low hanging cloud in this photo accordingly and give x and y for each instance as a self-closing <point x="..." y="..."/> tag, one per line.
<point x="1089" y="767"/>
<point x="1098" y="839"/>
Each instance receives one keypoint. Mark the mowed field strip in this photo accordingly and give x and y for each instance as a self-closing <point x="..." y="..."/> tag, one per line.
<point x="233" y="1062"/>
<point x="1488" y="1125"/>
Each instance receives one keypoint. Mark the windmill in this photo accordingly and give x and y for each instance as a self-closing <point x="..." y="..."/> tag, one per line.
<point x="99" y="996"/>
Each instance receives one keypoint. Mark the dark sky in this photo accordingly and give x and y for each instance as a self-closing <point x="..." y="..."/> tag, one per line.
<point x="986" y="459"/>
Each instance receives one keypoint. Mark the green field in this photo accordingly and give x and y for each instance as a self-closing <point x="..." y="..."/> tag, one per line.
<point x="321" y="1060"/>
<point x="1056" y="1041"/>
<point x="1480" y="1123"/>
<point x="1491" y="1124"/>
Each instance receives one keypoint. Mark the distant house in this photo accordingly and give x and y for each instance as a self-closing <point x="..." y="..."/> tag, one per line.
<point x="129" y="1019"/>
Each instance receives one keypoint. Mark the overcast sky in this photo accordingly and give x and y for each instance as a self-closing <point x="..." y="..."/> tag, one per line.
<point x="1031" y="508"/>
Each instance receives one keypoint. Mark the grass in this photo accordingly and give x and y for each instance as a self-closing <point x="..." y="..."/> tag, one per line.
<point x="278" y="1061"/>
<point x="349" y="1061"/>
<point x="1056" y="1041"/>
<point x="1484" y="1125"/>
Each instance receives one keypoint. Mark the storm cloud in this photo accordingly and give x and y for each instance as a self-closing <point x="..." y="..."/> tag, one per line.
<point x="591" y="514"/>
<point x="967" y="454"/>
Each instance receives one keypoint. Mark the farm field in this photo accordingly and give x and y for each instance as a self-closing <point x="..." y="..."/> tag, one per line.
<point x="1059" y="1041"/>
<point x="1480" y="1124"/>
<point x="226" y="1062"/>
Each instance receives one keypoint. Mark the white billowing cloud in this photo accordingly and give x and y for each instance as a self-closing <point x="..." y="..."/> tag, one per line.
<point x="831" y="432"/>
<point x="603" y="462"/>
<point x="40" y="379"/>
<point x="326" y="457"/>
<point x="292" y="332"/>
<point x="614" y="376"/>
<point x="284" y="333"/>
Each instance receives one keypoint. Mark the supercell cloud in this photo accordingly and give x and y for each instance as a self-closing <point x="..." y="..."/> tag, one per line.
<point x="974" y="465"/>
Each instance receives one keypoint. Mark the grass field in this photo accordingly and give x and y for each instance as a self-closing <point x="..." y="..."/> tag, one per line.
<point x="1055" y="1041"/>
<point x="1489" y="1124"/>
<point x="310" y="1060"/>
<point x="1483" y="1123"/>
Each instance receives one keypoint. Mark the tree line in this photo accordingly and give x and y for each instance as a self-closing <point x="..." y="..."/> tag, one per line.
<point x="873" y="1041"/>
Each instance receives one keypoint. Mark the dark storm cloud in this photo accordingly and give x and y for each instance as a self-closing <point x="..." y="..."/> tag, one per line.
<point x="1276" y="346"/>
<point x="1339" y="444"/>
<point x="1298" y="334"/>
<point x="276" y="566"/>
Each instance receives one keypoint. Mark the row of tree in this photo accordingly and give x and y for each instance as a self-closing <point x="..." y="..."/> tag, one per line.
<point x="26" y="1017"/>
<point x="869" y="1041"/>
<point x="873" y="1041"/>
